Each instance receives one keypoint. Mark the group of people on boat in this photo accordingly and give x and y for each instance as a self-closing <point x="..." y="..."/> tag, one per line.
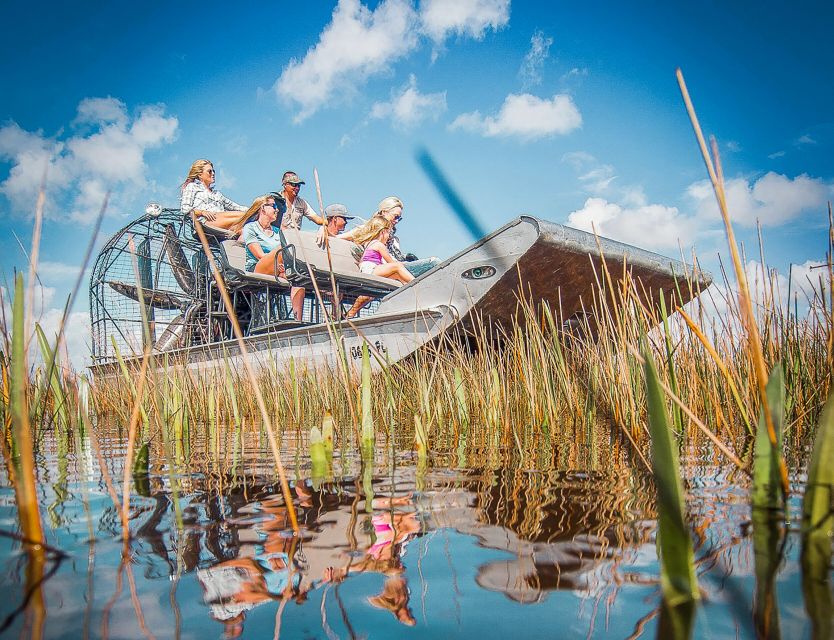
<point x="286" y="209"/>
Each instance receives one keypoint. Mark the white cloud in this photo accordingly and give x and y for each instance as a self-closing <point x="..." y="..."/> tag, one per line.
<point x="805" y="139"/>
<point x="653" y="226"/>
<point x="773" y="199"/>
<point x="101" y="110"/>
<point x="107" y="155"/>
<point x="442" y="18"/>
<point x="776" y="154"/>
<point x="409" y="107"/>
<point x="48" y="311"/>
<point x="77" y="334"/>
<point x="576" y="72"/>
<point x="524" y="116"/>
<point x="531" y="68"/>
<point x="733" y="146"/>
<point x="811" y="282"/>
<point x="49" y="271"/>
<point x="357" y="44"/>
<point x="594" y="176"/>
<point x="808" y="289"/>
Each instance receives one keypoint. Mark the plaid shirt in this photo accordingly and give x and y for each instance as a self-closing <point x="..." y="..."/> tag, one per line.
<point x="196" y="195"/>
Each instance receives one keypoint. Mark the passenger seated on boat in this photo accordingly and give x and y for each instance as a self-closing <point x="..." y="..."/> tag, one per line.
<point x="261" y="240"/>
<point x="251" y="214"/>
<point x="297" y="209"/>
<point x="376" y="260"/>
<point x="198" y="197"/>
<point x="391" y="208"/>
<point x="337" y="217"/>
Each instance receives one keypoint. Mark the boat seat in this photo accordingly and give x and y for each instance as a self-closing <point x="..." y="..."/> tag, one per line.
<point x="305" y="259"/>
<point x="236" y="259"/>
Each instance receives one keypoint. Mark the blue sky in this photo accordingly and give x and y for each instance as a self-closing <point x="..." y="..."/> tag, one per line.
<point x="570" y="113"/>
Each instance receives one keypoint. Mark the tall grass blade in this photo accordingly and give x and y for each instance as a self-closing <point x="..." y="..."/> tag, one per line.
<point x="767" y="485"/>
<point x="141" y="471"/>
<point x="327" y="426"/>
<point x="54" y="380"/>
<point x="677" y="569"/>
<point x="318" y="458"/>
<point x="24" y="462"/>
<point x="767" y="547"/>
<point x="367" y="404"/>
<point x="818" y="525"/>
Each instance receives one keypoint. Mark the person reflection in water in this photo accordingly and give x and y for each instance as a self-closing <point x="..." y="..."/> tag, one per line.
<point x="233" y="587"/>
<point x="392" y="532"/>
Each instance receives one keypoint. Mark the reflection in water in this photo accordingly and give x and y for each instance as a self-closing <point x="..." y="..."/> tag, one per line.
<point x="473" y="551"/>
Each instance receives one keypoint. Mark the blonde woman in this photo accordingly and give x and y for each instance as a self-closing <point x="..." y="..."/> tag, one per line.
<point x="198" y="197"/>
<point x="262" y="242"/>
<point x="376" y="259"/>
<point x="252" y="213"/>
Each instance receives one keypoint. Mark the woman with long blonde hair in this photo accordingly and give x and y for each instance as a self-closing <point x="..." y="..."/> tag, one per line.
<point x="199" y="198"/>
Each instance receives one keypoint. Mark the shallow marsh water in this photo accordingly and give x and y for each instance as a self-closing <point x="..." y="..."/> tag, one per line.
<point x="481" y="543"/>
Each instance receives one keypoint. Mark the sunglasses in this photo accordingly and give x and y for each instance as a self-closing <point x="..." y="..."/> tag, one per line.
<point x="297" y="185"/>
<point x="274" y="206"/>
<point x="397" y="218"/>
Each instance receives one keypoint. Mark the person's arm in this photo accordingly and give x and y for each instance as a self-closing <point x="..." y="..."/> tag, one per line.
<point x="187" y="198"/>
<point x="256" y="249"/>
<point x="310" y="213"/>
<point x="383" y="251"/>
<point x="250" y="240"/>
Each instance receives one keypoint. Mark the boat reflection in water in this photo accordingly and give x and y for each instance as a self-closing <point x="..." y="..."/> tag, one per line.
<point x="531" y="533"/>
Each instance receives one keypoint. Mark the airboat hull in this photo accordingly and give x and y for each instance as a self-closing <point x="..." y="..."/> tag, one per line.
<point x="527" y="260"/>
<point x="390" y="338"/>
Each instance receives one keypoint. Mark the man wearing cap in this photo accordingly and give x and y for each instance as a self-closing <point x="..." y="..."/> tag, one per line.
<point x="297" y="207"/>
<point x="337" y="217"/>
<point x="297" y="210"/>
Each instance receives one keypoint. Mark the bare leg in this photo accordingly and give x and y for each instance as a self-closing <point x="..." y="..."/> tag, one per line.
<point x="361" y="301"/>
<point x="266" y="265"/>
<point x="224" y="219"/>
<point x="297" y="298"/>
<point x="395" y="271"/>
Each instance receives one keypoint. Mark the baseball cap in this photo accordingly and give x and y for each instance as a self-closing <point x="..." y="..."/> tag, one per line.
<point x="337" y="210"/>
<point x="293" y="178"/>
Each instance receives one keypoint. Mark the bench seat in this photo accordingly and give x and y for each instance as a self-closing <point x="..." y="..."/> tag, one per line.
<point x="311" y="261"/>
<point x="236" y="257"/>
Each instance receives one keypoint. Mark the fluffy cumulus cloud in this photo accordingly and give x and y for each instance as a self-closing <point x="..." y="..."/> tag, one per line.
<point x="442" y="18"/>
<point x="531" y="68"/>
<point x="773" y="199"/>
<point x="653" y="226"/>
<point x="105" y="153"/>
<point x="805" y="290"/>
<point x="409" y="107"/>
<point x="359" y="43"/>
<point x="524" y="116"/>
<point x="48" y="312"/>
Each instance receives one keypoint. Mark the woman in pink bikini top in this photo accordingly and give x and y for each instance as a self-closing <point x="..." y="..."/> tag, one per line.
<point x="377" y="260"/>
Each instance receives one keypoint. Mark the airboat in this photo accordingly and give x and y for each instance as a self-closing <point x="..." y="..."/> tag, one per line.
<point x="152" y="285"/>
